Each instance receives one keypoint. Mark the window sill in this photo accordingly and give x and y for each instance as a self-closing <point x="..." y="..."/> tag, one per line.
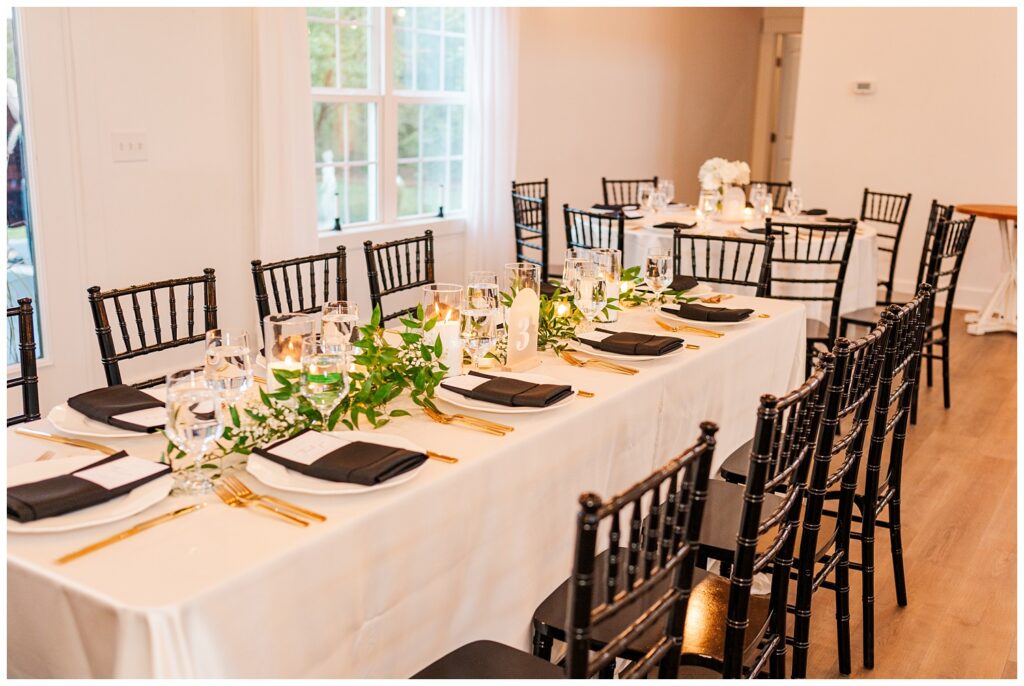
<point x="441" y="226"/>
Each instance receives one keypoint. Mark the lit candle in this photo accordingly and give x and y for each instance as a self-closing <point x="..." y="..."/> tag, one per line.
<point x="448" y="323"/>
<point x="748" y="212"/>
<point x="284" y="335"/>
<point x="562" y="308"/>
<point x="286" y="356"/>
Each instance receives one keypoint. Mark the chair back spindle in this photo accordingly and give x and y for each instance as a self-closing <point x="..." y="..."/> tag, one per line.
<point x="27" y="379"/>
<point x="589" y="230"/>
<point x="892" y="209"/>
<point x="530" y="217"/>
<point x="398" y="266"/>
<point x="624" y="191"/>
<point x="739" y="261"/>
<point x="308" y="272"/>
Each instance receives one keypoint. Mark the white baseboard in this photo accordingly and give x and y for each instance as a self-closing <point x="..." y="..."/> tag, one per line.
<point x="967" y="297"/>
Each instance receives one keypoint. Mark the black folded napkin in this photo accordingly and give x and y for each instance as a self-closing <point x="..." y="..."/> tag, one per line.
<point x="67" y="493"/>
<point x="703" y="313"/>
<point x="547" y="289"/>
<point x="674" y="225"/>
<point x="503" y="390"/>
<point x="357" y="462"/>
<point x="103" y="404"/>
<point x="841" y="220"/>
<point x="633" y="343"/>
<point x="813" y="212"/>
<point x="763" y="231"/>
<point x="681" y="282"/>
<point x="619" y="207"/>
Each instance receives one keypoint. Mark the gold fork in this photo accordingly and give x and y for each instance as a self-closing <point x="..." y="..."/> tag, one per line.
<point x="442" y="418"/>
<point x="578" y="362"/>
<point x="691" y="329"/>
<point x="235" y="485"/>
<point x="231" y="500"/>
<point x="481" y="422"/>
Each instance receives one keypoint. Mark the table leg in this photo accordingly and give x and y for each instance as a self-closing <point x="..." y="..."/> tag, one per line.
<point x="1000" y="313"/>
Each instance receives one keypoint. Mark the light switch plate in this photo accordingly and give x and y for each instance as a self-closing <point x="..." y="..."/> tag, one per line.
<point x="129" y="146"/>
<point x="863" y="87"/>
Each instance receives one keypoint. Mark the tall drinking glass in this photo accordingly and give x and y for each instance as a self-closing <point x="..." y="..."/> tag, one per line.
<point x="667" y="187"/>
<point x="325" y="381"/>
<point x="643" y="194"/>
<point x="482" y="295"/>
<point x="657" y="273"/>
<point x="658" y="201"/>
<point x="227" y="366"/>
<point x="479" y="331"/>
<point x="757" y="193"/>
<point x="707" y="203"/>
<point x="194" y="423"/>
<point x="520" y="275"/>
<point x="794" y="203"/>
<point x="570" y="270"/>
<point x="590" y="293"/>
<point x="609" y="264"/>
<point x="338" y="324"/>
<point x="483" y="277"/>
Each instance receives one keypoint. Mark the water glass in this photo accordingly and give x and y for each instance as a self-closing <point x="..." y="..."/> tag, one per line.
<point x="794" y="204"/>
<point x="482" y="295"/>
<point x="657" y="273"/>
<point x="766" y="205"/>
<point x="667" y="187"/>
<point x="658" y="201"/>
<point x="325" y="381"/>
<point x="338" y="324"/>
<point x="483" y="277"/>
<point x="643" y="193"/>
<point x="520" y="275"/>
<point x="227" y="365"/>
<point x="479" y="331"/>
<point x="194" y="423"/>
<point x="609" y="264"/>
<point x="757" y="193"/>
<point x="590" y="292"/>
<point x="707" y="203"/>
<point x="570" y="270"/>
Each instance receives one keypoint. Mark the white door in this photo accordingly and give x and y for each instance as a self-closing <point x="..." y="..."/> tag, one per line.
<point x="788" y="68"/>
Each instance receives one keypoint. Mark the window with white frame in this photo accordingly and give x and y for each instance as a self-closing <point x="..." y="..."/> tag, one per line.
<point x="388" y="111"/>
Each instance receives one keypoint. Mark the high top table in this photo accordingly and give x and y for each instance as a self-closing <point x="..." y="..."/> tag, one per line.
<point x="1000" y="313"/>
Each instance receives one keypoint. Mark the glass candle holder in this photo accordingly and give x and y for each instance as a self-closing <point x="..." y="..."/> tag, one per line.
<point x="443" y="302"/>
<point x="284" y="335"/>
<point x="520" y="275"/>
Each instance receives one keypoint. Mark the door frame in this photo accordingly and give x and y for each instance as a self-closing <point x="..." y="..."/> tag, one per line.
<point x="775" y="21"/>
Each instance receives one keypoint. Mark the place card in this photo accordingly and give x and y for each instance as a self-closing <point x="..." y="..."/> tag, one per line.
<point x="307" y="447"/>
<point x="594" y="336"/>
<point x="150" y="418"/>
<point x="121" y="472"/>
<point x="465" y="382"/>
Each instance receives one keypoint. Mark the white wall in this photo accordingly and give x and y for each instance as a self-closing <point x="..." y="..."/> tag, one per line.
<point x="942" y="123"/>
<point x="630" y="93"/>
<point x="183" y="76"/>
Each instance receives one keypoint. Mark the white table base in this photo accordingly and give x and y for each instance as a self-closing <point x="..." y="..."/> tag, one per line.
<point x="1000" y="313"/>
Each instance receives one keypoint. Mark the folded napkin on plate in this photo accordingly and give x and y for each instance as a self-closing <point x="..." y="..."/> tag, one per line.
<point x="763" y="231"/>
<point x="703" y="313"/>
<point x="108" y="405"/>
<point x="674" y="225"/>
<point x="813" y="212"/>
<point x="631" y="342"/>
<point x="681" y="282"/>
<point x="619" y="207"/>
<point x="503" y="390"/>
<point x="330" y="459"/>
<point x="93" y="484"/>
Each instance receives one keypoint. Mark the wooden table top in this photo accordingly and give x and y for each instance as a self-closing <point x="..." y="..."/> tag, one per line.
<point x="990" y="211"/>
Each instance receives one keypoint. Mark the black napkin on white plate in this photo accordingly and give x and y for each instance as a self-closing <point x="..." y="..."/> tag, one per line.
<point x="703" y="313"/>
<point x="504" y="390"/>
<point x="620" y="207"/>
<point x="764" y="232"/>
<point x="814" y="212"/>
<point x="682" y="282"/>
<point x="104" y="404"/>
<point x="674" y="225"/>
<point x="633" y="343"/>
<point x="357" y="462"/>
<point x="841" y="220"/>
<point x="67" y="493"/>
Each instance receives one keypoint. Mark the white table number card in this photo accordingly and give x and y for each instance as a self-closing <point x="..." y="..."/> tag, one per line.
<point x="522" y="324"/>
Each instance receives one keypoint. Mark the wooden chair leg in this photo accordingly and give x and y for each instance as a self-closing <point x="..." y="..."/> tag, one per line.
<point x="896" y="542"/>
<point x="931" y="352"/>
<point x="801" y="628"/>
<point x="945" y="374"/>
<point x="913" y="403"/>
<point x="843" y="613"/>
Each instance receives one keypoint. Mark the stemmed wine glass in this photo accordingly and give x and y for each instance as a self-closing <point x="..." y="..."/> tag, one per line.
<point x="194" y="423"/>
<point x="706" y="204"/>
<point x="483" y="277"/>
<point x="643" y="193"/>
<point x="667" y="187"/>
<point x="570" y="270"/>
<point x="793" y="204"/>
<point x="479" y="331"/>
<point x="657" y="273"/>
<point x="338" y="324"/>
<point x="658" y="201"/>
<point x="590" y="292"/>
<point x="482" y="295"/>
<point x="227" y="366"/>
<point x="757" y="193"/>
<point x="324" y="378"/>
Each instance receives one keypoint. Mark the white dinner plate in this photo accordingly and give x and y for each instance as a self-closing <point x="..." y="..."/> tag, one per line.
<point x="146" y="495"/>
<point x="700" y="322"/>
<point x="278" y="476"/>
<point x="454" y="398"/>
<point x="75" y="423"/>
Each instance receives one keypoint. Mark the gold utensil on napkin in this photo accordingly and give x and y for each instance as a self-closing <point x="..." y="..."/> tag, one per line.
<point x="572" y="358"/>
<point x="235" y="485"/>
<point x="443" y="458"/>
<point x="442" y="418"/>
<point x="692" y="329"/>
<point x="128" y="533"/>
<point x="32" y="433"/>
<point x="231" y="500"/>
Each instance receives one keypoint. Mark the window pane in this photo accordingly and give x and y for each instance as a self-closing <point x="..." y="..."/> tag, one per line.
<point x="434" y="130"/>
<point x="359" y="205"/>
<point x="322" y="55"/>
<point x="455" y="192"/>
<point x="353" y="14"/>
<point x="354" y="56"/>
<point x="404" y="60"/>
<point x="328" y="133"/>
<point x="328" y="197"/>
<point x="322" y="12"/>
<point x="402" y="17"/>
<point x="360" y="147"/>
<point x="408" y="187"/>
<point x="433" y="179"/>
<point x="428" y="62"/>
<point x="457" y="133"/>
<point x="428" y="18"/>
<point x="408" y="131"/>
<point x="454" y="64"/>
<point x="455" y="19"/>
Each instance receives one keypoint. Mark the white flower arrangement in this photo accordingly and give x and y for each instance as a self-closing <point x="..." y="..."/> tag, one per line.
<point x="718" y="172"/>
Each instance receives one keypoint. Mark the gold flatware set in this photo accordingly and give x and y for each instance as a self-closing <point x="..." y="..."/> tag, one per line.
<point x="493" y="428"/>
<point x="573" y="358"/>
<point x="676" y="328"/>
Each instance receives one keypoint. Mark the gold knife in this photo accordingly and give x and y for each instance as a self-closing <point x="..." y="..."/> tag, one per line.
<point x="128" y="533"/>
<point x="443" y="458"/>
<point x="32" y="433"/>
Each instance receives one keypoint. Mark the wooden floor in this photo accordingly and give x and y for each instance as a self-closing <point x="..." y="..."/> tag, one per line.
<point x="960" y="533"/>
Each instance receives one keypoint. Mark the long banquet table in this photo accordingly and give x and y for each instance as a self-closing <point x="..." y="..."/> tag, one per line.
<point x="396" y="578"/>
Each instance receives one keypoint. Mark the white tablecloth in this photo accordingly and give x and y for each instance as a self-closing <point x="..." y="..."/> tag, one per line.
<point x="393" y="579"/>
<point x="859" y="290"/>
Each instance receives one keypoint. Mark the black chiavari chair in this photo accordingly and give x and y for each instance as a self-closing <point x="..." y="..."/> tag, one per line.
<point x="620" y="594"/>
<point x="21" y="317"/>
<point x="530" y="216"/>
<point x="137" y="343"/>
<point x="899" y="376"/>
<point x="624" y="191"/>
<point x="739" y="261"/>
<point x="585" y="229"/>
<point x="728" y="629"/>
<point x="318" y="268"/>
<point x="892" y="209"/>
<point x="823" y="251"/>
<point x="777" y="189"/>
<point x="398" y="266"/>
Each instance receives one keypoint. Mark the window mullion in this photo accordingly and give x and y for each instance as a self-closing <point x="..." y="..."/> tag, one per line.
<point x="387" y="170"/>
